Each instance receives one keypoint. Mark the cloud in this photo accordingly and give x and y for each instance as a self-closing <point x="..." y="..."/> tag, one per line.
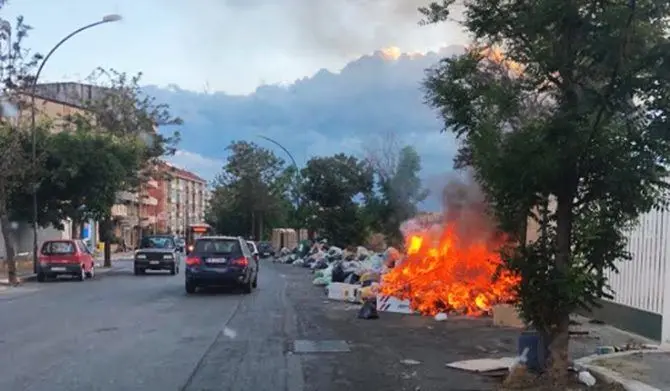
<point x="205" y="167"/>
<point x="321" y="115"/>
<point x="316" y="29"/>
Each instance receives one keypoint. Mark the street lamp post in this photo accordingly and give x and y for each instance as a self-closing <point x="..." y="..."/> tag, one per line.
<point x="297" y="171"/>
<point x="104" y="20"/>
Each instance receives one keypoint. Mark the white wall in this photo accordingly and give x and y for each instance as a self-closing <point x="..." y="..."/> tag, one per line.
<point x="23" y="237"/>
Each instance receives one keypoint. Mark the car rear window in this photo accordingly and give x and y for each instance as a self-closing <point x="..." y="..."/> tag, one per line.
<point x="60" y="247"/>
<point x="218" y="246"/>
<point x="157" y="242"/>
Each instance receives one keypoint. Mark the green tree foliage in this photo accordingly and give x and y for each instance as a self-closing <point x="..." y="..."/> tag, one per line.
<point x="251" y="194"/>
<point x="577" y="138"/>
<point x="330" y="188"/>
<point x="78" y="184"/>
<point x="16" y="65"/>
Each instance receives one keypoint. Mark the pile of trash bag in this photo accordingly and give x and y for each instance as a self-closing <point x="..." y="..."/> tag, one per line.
<point x="350" y="266"/>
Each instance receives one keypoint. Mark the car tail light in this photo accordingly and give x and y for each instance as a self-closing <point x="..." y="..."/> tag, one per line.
<point x="192" y="261"/>
<point x="241" y="262"/>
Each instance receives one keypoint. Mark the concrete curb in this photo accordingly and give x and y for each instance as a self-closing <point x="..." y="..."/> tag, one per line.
<point x="615" y="377"/>
<point x="33" y="277"/>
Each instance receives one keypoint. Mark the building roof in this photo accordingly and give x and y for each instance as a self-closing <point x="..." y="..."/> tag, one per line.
<point x="181" y="173"/>
<point x="69" y="93"/>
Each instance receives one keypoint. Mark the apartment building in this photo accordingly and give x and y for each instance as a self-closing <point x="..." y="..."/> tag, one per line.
<point x="186" y="201"/>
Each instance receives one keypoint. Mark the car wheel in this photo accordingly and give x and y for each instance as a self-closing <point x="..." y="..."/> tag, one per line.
<point x="248" y="286"/>
<point x="41" y="277"/>
<point x="91" y="273"/>
<point x="255" y="283"/>
<point x="82" y="274"/>
<point x="190" y="287"/>
<point x="173" y="270"/>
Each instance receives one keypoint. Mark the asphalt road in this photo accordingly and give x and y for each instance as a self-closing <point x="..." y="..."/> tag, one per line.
<point x="125" y="332"/>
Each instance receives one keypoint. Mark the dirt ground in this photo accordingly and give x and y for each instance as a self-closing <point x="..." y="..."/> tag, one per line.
<point x="394" y="352"/>
<point x="410" y="352"/>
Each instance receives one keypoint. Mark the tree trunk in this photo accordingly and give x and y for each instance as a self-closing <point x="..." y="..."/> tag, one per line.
<point x="260" y="227"/>
<point x="8" y="237"/>
<point x="559" y="335"/>
<point x="253" y="223"/>
<point x="107" y="254"/>
<point x="76" y="228"/>
<point x="106" y="236"/>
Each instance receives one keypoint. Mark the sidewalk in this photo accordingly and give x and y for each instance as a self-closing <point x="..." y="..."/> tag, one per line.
<point x="636" y="370"/>
<point x="25" y="268"/>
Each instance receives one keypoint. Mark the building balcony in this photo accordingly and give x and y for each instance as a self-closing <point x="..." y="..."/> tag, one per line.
<point x="119" y="210"/>
<point x="150" y="201"/>
<point x="152" y="183"/>
<point x="126" y="196"/>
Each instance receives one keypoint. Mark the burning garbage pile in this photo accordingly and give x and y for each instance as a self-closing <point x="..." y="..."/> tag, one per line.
<point x="444" y="273"/>
<point x="439" y="272"/>
<point x="450" y="263"/>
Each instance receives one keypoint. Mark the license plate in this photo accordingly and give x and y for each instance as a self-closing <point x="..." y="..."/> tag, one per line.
<point x="217" y="260"/>
<point x="154" y="262"/>
<point x="58" y="269"/>
<point x="266" y="254"/>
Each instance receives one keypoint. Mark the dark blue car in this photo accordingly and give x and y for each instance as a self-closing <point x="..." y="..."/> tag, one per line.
<point x="221" y="261"/>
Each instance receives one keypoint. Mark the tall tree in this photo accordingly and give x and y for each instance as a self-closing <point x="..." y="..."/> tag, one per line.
<point x="397" y="170"/>
<point x="251" y="194"/>
<point x="16" y="168"/>
<point x="586" y="161"/>
<point x="331" y="186"/>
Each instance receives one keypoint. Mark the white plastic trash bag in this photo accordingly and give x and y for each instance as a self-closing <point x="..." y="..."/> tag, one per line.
<point x="362" y="251"/>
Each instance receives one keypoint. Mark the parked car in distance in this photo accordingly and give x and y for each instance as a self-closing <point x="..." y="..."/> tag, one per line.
<point x="265" y="249"/>
<point x="65" y="257"/>
<point x="157" y="252"/>
<point x="221" y="261"/>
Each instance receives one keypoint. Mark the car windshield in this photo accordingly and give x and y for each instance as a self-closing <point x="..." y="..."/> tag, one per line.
<point x="58" y="248"/>
<point x="219" y="246"/>
<point x="157" y="242"/>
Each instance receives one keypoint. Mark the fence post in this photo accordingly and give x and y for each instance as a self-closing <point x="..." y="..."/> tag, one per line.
<point x="665" y="311"/>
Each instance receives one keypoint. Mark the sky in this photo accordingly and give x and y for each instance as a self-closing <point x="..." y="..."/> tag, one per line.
<point x="223" y="45"/>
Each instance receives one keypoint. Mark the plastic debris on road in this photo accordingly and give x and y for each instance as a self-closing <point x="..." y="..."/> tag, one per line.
<point x="441" y="317"/>
<point x="586" y="378"/>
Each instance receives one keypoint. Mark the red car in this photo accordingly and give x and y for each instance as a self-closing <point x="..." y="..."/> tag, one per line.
<point x="65" y="257"/>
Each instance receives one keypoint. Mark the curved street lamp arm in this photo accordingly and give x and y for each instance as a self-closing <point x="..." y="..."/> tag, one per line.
<point x="58" y="45"/>
<point x="282" y="147"/>
<point x="297" y="169"/>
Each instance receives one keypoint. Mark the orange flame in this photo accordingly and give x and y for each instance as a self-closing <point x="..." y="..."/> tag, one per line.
<point x="442" y="273"/>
